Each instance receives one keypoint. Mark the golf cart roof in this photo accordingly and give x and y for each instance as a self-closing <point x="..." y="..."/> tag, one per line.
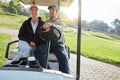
<point x="62" y="3"/>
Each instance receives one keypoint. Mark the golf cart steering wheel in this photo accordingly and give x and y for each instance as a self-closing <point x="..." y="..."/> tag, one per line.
<point x="52" y="34"/>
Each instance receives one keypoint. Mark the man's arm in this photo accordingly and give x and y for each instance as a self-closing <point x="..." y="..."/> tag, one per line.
<point x="59" y="25"/>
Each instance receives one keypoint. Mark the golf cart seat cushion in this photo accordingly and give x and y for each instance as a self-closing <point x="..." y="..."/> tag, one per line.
<point x="14" y="52"/>
<point x="52" y="57"/>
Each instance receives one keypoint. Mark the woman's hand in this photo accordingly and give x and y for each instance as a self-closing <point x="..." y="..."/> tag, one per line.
<point x="32" y="44"/>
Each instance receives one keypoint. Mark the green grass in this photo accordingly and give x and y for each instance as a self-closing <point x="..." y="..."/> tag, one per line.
<point x="71" y="41"/>
<point x="101" y="48"/>
<point x="96" y="45"/>
<point x="4" y="39"/>
<point x="11" y="21"/>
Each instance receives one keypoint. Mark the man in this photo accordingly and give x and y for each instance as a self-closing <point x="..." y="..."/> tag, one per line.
<point x="28" y="33"/>
<point x="56" y="46"/>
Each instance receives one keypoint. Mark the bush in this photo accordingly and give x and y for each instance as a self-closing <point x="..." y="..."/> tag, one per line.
<point x="1" y="11"/>
<point x="13" y="10"/>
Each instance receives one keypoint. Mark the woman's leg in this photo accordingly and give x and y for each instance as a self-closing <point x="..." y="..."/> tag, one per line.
<point x="24" y="50"/>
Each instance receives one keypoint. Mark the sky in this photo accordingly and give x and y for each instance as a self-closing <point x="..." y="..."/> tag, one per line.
<point x="104" y="10"/>
<point x="71" y="11"/>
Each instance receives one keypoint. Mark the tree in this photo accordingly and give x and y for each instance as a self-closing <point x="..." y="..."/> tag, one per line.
<point x="15" y="2"/>
<point x="15" y="6"/>
<point x="64" y="18"/>
<point x="1" y="11"/>
<point x="0" y="4"/>
<point x="25" y="12"/>
<point x="5" y="7"/>
<point x="11" y="4"/>
<point x="116" y="24"/>
<point x="13" y="10"/>
<point x="84" y="24"/>
<point x="19" y="8"/>
<point x="44" y="14"/>
<point x="98" y="25"/>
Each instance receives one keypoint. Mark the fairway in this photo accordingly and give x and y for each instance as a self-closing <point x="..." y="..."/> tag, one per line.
<point x="11" y="21"/>
<point x="96" y="45"/>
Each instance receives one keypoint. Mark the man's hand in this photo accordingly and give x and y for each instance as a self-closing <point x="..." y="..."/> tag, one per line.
<point x="32" y="44"/>
<point x="46" y="25"/>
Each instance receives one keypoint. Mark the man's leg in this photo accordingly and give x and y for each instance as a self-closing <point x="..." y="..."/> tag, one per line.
<point x="60" y="53"/>
<point x="39" y="54"/>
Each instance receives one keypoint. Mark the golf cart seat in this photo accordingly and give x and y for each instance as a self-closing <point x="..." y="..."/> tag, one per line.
<point x="12" y="51"/>
<point x="12" y="54"/>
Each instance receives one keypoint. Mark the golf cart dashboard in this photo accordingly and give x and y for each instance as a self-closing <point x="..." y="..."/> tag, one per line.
<point x="26" y="64"/>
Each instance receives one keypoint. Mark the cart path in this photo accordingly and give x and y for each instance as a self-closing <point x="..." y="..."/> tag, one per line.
<point x="95" y="70"/>
<point x="90" y="69"/>
<point x="13" y="32"/>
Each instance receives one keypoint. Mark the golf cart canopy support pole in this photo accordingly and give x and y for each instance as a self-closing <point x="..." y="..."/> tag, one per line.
<point x="78" y="41"/>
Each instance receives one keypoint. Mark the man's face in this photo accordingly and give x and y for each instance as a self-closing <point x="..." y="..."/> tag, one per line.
<point x="53" y="13"/>
<point x="34" y="12"/>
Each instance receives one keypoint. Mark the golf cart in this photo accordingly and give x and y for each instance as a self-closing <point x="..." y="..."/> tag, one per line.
<point x="29" y="68"/>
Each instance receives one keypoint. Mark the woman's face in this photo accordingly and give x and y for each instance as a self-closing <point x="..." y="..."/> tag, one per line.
<point x="34" y="12"/>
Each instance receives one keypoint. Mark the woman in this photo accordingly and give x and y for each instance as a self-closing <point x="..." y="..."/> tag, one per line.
<point x="28" y="34"/>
